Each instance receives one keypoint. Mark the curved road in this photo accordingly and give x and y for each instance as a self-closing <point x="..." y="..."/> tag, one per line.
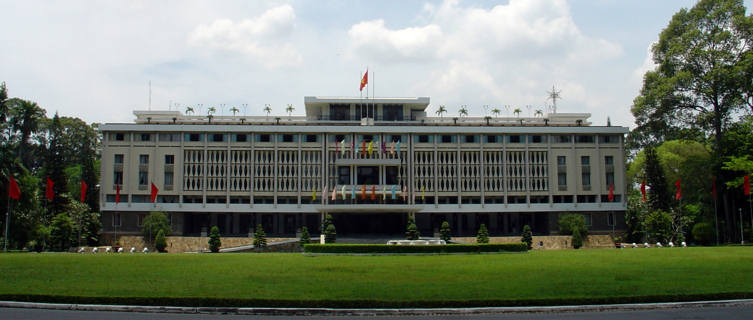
<point x="727" y="313"/>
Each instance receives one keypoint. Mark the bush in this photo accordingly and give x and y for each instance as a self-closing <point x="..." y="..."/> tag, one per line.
<point x="260" y="238"/>
<point x="214" y="239"/>
<point x="444" y="231"/>
<point x="305" y="237"/>
<point x="155" y="222"/>
<point x="159" y="242"/>
<point x="577" y="240"/>
<point x="703" y="233"/>
<point x="411" y="231"/>
<point x="61" y="232"/>
<point x="330" y="234"/>
<point x="527" y="236"/>
<point x="659" y="225"/>
<point x="385" y="248"/>
<point x="483" y="234"/>
<point x="571" y="223"/>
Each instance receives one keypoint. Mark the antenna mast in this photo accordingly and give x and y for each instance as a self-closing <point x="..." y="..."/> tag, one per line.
<point x="554" y="95"/>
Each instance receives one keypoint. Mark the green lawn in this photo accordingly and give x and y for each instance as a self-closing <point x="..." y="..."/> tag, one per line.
<point x="537" y="277"/>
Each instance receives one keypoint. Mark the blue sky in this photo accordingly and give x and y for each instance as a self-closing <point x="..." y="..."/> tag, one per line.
<point x="94" y="59"/>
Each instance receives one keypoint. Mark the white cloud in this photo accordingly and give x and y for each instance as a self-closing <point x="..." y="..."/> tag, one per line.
<point x="648" y="65"/>
<point x="373" y="39"/>
<point x="264" y="38"/>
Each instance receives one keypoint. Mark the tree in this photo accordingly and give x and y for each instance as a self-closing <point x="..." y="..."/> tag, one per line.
<point x="260" y="238"/>
<point x="86" y="224"/>
<point x="305" y="237"/>
<point x="659" y="225"/>
<point x="658" y="194"/>
<point x="572" y="223"/>
<point x="463" y="111"/>
<point x="289" y="109"/>
<point x="496" y="112"/>
<point x="155" y="222"/>
<point x="214" y="239"/>
<point x="444" y="231"/>
<point x="328" y="227"/>
<point x="703" y="69"/>
<point x="527" y="236"/>
<point x="411" y="231"/>
<point x="210" y="113"/>
<point x="517" y="112"/>
<point x="267" y="109"/>
<point x="234" y="110"/>
<point x="539" y="113"/>
<point x="159" y="242"/>
<point x="61" y="232"/>
<point x="189" y="110"/>
<point x="25" y="117"/>
<point x="483" y="234"/>
<point x="441" y="110"/>
<point x="577" y="240"/>
<point x="703" y="233"/>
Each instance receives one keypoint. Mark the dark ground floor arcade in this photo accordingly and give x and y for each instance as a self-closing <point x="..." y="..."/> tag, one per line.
<point x="362" y="224"/>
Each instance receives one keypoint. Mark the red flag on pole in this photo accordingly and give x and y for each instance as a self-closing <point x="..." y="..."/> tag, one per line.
<point x="678" y="196"/>
<point x="154" y="193"/>
<point x="14" y="192"/>
<point x="49" y="193"/>
<point x="746" y="185"/>
<point x="373" y="192"/>
<point x="364" y="80"/>
<point x="117" y="193"/>
<point x="643" y="190"/>
<point x="363" y="192"/>
<point x="83" y="191"/>
<point x="713" y="188"/>
<point x="611" y="192"/>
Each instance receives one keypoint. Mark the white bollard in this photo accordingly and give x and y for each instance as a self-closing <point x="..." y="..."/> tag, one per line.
<point x="635" y="245"/>
<point x="108" y="250"/>
<point x="658" y="245"/>
<point x="645" y="245"/>
<point x="81" y="250"/>
<point x="671" y="245"/>
<point x="120" y="250"/>
<point x="95" y="250"/>
<point x="684" y="245"/>
<point x="146" y="250"/>
<point x="133" y="249"/>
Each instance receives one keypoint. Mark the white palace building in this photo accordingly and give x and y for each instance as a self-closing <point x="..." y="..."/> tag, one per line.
<point x="369" y="165"/>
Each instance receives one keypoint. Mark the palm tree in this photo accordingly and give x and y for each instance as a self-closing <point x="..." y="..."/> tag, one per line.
<point x="210" y="112"/>
<point x="289" y="110"/>
<point x="189" y="109"/>
<point x="496" y="112"/>
<point x="234" y="110"/>
<point x="463" y="112"/>
<point x="441" y="110"/>
<point x="539" y="113"/>
<point x="517" y="112"/>
<point x="267" y="109"/>
<point x="25" y="117"/>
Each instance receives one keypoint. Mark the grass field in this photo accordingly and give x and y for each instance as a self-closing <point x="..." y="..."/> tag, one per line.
<point x="537" y="277"/>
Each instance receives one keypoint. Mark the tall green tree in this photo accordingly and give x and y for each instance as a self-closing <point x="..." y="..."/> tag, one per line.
<point x="55" y="167"/>
<point x="703" y="71"/>
<point x="658" y="194"/>
<point x="25" y="118"/>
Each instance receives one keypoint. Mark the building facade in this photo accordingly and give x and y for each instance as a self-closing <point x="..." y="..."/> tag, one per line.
<point x="369" y="163"/>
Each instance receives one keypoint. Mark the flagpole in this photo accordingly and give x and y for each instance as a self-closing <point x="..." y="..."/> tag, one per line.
<point x="7" y="225"/>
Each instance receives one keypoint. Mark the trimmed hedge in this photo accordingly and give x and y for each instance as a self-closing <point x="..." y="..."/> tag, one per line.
<point x="386" y="248"/>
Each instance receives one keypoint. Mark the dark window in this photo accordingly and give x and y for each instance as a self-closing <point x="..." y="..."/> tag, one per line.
<point x="218" y="137"/>
<point x="144" y="159"/>
<point x="423" y="138"/>
<point x="339" y="112"/>
<point x="241" y="138"/>
<point x="168" y="178"/>
<point x="287" y="138"/>
<point x="585" y="139"/>
<point x="397" y="138"/>
<point x="118" y="177"/>
<point x="143" y="177"/>
<point x="390" y="175"/>
<point x="491" y="139"/>
<point x="368" y="138"/>
<point x="561" y="160"/>
<point x="536" y="139"/>
<point x="168" y="137"/>
<point x="514" y="139"/>
<point x="609" y="139"/>
<point x="118" y="159"/>
<point x="368" y="175"/>
<point x="343" y="175"/>
<point x="392" y="112"/>
<point x="339" y="137"/>
<point x="312" y="138"/>
<point x="264" y="138"/>
<point x="119" y="137"/>
<point x="561" y="139"/>
<point x="194" y="137"/>
<point x="115" y="218"/>
<point x="169" y="159"/>
<point x="446" y="139"/>
<point x="146" y="137"/>
<point x="470" y="139"/>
